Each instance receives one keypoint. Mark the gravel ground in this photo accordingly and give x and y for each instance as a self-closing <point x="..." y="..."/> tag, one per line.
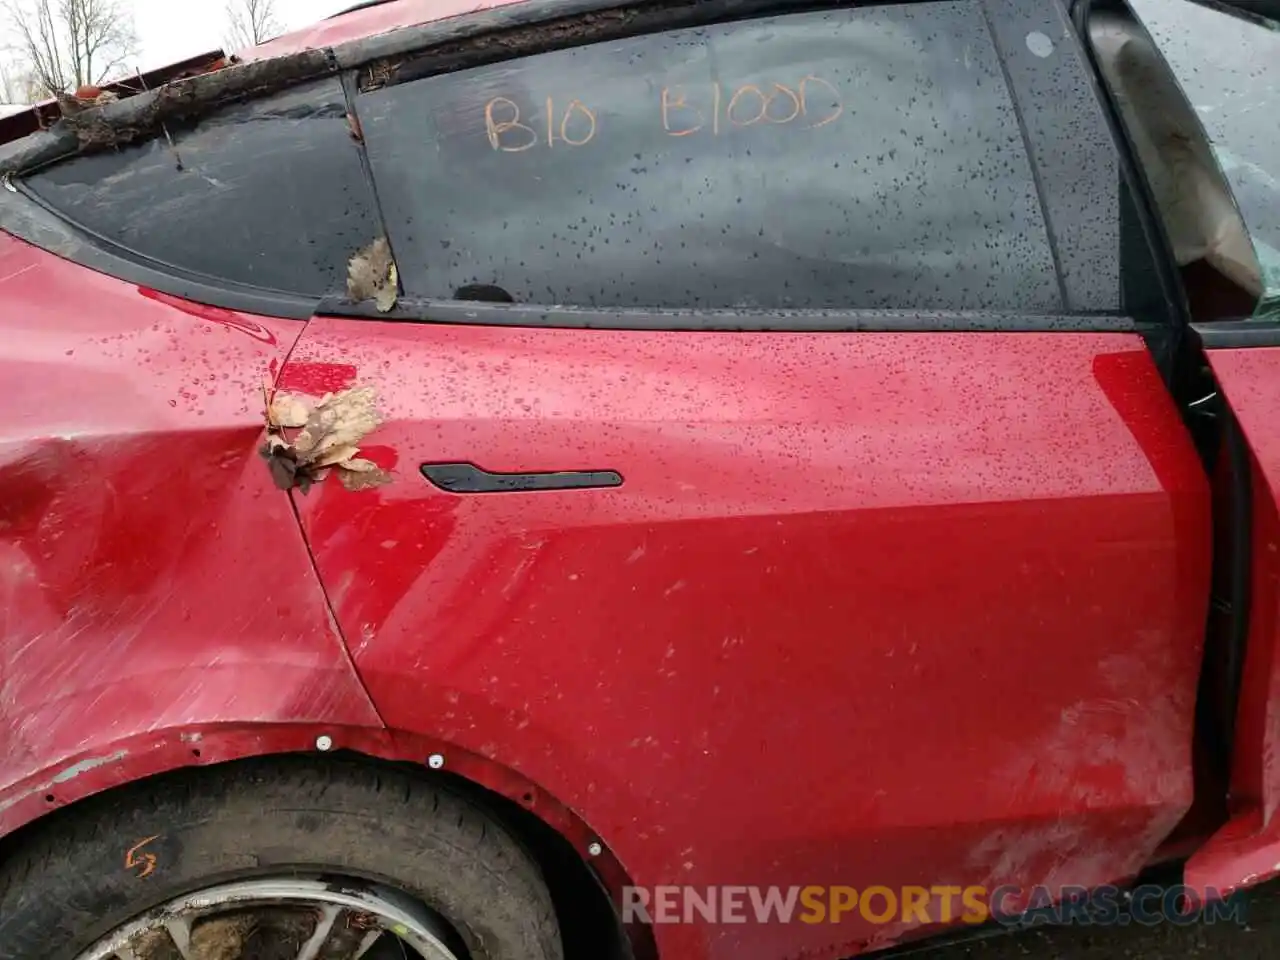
<point x="1257" y="939"/>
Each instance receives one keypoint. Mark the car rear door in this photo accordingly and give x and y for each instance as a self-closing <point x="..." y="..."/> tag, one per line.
<point x="777" y="468"/>
<point x="1228" y="66"/>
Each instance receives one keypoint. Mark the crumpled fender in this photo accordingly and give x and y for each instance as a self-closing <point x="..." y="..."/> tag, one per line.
<point x="159" y="608"/>
<point x="153" y="582"/>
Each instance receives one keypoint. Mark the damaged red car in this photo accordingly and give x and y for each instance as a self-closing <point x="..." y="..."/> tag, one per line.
<point x="473" y="479"/>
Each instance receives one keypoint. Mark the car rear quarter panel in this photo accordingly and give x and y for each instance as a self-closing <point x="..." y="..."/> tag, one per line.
<point x="155" y="591"/>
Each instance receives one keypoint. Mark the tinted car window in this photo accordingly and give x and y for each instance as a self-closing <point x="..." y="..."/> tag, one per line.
<point x="849" y="158"/>
<point x="270" y="194"/>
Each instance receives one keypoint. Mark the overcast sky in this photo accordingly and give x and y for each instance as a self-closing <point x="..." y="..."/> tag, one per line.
<point x="172" y="30"/>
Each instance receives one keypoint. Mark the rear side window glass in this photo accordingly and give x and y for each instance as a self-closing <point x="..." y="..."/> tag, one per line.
<point x="268" y="194"/>
<point x="853" y="158"/>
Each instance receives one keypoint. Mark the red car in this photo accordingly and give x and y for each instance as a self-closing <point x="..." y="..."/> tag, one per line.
<point x="564" y="479"/>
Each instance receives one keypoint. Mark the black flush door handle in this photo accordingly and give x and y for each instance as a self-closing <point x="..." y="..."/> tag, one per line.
<point x="468" y="478"/>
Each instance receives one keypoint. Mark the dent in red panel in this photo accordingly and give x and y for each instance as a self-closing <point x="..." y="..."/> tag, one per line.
<point x="152" y="578"/>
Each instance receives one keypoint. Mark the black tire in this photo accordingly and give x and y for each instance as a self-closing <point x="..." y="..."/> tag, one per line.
<point x="68" y="884"/>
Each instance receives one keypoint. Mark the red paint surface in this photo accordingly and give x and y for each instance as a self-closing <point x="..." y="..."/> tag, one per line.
<point x="152" y="580"/>
<point x="1247" y="850"/>
<point x="231" y="319"/>
<point x="368" y="22"/>
<point x="869" y="608"/>
<point x="316" y="379"/>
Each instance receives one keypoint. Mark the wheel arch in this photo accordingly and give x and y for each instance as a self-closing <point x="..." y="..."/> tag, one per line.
<point x="590" y="887"/>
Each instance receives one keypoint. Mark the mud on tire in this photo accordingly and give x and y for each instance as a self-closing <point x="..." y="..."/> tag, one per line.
<point x="95" y="868"/>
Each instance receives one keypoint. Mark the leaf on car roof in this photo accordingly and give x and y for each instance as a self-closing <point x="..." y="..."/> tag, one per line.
<point x="372" y="275"/>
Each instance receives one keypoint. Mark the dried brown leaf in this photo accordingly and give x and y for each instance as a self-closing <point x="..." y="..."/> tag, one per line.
<point x="331" y="430"/>
<point x="71" y="104"/>
<point x="287" y="410"/>
<point x="359" y="478"/>
<point x="338" y="456"/>
<point x="281" y="462"/>
<point x="151" y="943"/>
<point x="372" y="275"/>
<point x="387" y="296"/>
<point x="340" y="420"/>
<point x="222" y="939"/>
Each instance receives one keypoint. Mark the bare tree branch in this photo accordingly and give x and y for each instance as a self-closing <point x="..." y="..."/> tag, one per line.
<point x="18" y="85"/>
<point x="68" y="44"/>
<point x="251" y="22"/>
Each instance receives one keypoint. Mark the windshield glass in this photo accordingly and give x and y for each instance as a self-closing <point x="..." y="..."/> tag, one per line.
<point x="1228" y="64"/>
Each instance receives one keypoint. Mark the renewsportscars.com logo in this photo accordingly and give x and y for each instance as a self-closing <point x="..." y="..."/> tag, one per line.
<point x="1011" y="906"/>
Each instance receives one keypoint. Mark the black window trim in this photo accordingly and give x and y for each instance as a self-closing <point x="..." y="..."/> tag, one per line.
<point x="467" y="312"/>
<point x="1156" y="235"/>
<point x="1237" y="334"/>
<point x="1037" y="175"/>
